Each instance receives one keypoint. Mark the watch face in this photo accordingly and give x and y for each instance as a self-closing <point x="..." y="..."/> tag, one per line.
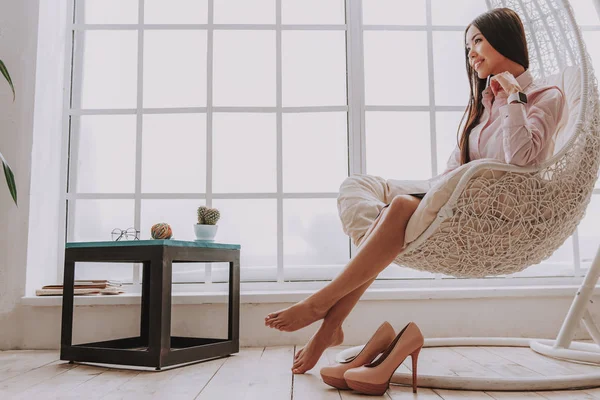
<point x="522" y="97"/>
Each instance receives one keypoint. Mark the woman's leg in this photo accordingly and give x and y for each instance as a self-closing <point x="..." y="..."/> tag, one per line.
<point x="376" y="253"/>
<point x="330" y="332"/>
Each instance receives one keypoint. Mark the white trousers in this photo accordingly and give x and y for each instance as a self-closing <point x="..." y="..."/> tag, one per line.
<point x="362" y="197"/>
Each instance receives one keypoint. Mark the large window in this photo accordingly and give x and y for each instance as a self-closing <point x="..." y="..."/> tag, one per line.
<point x="261" y="108"/>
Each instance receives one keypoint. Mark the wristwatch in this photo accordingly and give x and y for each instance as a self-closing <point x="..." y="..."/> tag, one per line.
<point x="518" y="97"/>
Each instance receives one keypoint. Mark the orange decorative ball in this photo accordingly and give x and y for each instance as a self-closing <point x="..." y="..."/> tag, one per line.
<point x="161" y="230"/>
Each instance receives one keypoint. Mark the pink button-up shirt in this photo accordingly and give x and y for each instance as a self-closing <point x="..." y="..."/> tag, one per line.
<point x="520" y="134"/>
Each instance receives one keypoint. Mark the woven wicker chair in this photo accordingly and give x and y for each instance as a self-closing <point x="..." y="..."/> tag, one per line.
<point x="531" y="211"/>
<point x="474" y="238"/>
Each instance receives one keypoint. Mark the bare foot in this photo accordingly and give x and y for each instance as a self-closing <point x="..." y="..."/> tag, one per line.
<point x="295" y="317"/>
<point x="309" y="355"/>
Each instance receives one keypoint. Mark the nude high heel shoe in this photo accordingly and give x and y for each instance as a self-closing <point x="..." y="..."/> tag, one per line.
<point x="381" y="339"/>
<point x="374" y="378"/>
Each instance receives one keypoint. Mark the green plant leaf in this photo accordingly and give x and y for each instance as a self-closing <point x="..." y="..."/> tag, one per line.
<point x="7" y="76"/>
<point x="10" y="179"/>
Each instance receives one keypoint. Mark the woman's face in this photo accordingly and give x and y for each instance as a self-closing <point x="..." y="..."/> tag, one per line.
<point x="483" y="58"/>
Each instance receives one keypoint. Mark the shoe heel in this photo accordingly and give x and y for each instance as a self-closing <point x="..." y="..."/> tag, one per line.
<point x="415" y="357"/>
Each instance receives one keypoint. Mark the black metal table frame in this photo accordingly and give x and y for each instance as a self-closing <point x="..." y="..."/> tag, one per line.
<point x="159" y="348"/>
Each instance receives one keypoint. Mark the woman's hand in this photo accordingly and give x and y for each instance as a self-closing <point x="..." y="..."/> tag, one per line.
<point x="505" y="81"/>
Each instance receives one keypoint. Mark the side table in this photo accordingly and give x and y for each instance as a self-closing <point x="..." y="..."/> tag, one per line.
<point x="154" y="347"/>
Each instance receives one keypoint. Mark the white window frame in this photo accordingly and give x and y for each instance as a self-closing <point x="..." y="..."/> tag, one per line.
<point x="355" y="110"/>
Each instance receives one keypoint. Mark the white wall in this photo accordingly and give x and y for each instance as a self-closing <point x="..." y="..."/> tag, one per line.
<point x="491" y="317"/>
<point x="46" y="166"/>
<point x="18" y="43"/>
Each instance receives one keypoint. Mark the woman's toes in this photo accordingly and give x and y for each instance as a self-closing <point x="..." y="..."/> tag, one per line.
<point x="297" y="368"/>
<point x="298" y="363"/>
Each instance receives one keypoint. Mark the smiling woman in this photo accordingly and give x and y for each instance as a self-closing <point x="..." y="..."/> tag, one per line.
<point x="10" y="178"/>
<point x="495" y="44"/>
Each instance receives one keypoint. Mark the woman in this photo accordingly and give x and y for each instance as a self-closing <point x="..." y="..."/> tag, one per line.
<point x="509" y="118"/>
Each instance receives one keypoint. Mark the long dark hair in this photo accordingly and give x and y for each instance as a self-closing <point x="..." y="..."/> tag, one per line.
<point x="503" y="29"/>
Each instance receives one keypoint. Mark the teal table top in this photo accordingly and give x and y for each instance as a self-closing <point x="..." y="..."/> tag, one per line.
<point x="154" y="242"/>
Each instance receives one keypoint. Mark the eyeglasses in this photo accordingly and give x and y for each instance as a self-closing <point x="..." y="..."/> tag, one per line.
<point x="127" y="234"/>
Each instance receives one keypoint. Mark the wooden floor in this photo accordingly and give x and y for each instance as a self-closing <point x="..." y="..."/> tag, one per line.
<point x="264" y="373"/>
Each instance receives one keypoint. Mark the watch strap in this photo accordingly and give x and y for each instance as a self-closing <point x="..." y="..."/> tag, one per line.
<point x="519" y="97"/>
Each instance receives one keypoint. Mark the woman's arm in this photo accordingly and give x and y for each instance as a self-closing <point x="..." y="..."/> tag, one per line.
<point x="527" y="129"/>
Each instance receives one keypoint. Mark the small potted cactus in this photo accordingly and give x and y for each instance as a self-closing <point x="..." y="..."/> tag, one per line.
<point x="206" y="228"/>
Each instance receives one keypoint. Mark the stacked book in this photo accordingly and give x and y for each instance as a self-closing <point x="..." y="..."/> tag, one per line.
<point x="84" y="287"/>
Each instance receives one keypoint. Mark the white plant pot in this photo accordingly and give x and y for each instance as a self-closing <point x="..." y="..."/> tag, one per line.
<point x="205" y="232"/>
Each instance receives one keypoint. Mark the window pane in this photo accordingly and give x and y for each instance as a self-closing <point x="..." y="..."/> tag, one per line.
<point x="446" y="136"/>
<point x="244" y="68"/>
<point x="559" y="264"/>
<point x="314" y="68"/>
<point x="394" y="12"/>
<point x="106" y="11"/>
<point x="585" y="13"/>
<point x="94" y="221"/>
<point x="121" y="272"/>
<point x="181" y="215"/>
<point x="252" y="223"/>
<point x="322" y="136"/>
<point x="313" y="12"/>
<point x="398" y="145"/>
<point x="174" y="69"/>
<point x="105" y="84"/>
<point x="456" y="12"/>
<point x="106" y="157"/>
<point x="312" y="234"/>
<point x="589" y="235"/>
<point x="174" y="153"/>
<point x="450" y="76"/>
<point x="394" y="271"/>
<point x="389" y="78"/>
<point x="175" y="11"/>
<point x="238" y="141"/>
<point x="244" y="12"/>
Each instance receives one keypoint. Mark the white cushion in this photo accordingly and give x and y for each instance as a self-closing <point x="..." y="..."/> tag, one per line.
<point x="569" y="81"/>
